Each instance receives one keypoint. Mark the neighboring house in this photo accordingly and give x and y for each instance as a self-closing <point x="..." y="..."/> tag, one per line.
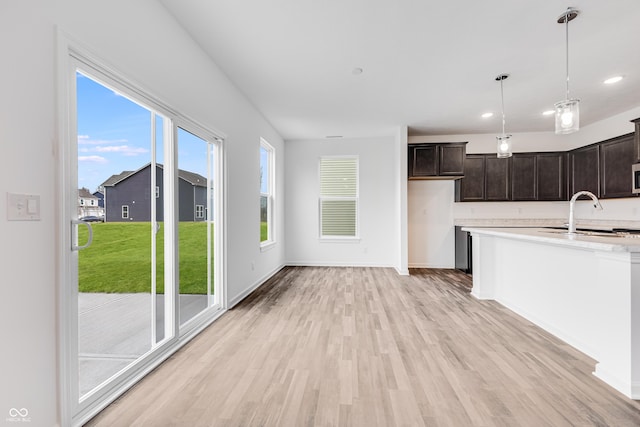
<point x="128" y="196"/>
<point x="88" y="204"/>
<point x="100" y="195"/>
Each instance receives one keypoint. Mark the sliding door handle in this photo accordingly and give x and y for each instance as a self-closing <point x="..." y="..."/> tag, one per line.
<point x="74" y="235"/>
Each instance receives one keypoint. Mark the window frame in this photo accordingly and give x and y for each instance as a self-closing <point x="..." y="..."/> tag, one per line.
<point x="270" y="194"/>
<point x="199" y="212"/>
<point x="124" y="211"/>
<point x="339" y="238"/>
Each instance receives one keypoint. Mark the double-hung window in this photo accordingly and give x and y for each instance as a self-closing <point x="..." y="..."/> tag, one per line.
<point x="339" y="197"/>
<point x="267" y="185"/>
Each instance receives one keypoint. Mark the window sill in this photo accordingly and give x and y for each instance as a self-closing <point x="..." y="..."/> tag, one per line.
<point x="339" y="240"/>
<point x="265" y="246"/>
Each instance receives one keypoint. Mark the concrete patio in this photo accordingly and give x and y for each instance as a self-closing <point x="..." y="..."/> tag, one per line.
<point x="115" y="329"/>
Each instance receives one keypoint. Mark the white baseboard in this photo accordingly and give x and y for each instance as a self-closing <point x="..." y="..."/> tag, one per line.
<point x="336" y="264"/>
<point x="423" y="265"/>
<point x="235" y="300"/>
<point x="402" y="272"/>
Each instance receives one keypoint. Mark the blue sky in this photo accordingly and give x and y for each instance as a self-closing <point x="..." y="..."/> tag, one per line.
<point x="114" y="135"/>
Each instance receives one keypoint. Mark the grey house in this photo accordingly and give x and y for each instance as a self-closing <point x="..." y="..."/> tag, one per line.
<point x="128" y="196"/>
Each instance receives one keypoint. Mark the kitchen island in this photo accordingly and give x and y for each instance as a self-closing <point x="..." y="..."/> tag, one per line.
<point x="584" y="289"/>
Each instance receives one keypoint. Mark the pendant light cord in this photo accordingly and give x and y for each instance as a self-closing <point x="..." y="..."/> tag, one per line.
<point x="566" y="21"/>
<point x="502" y="99"/>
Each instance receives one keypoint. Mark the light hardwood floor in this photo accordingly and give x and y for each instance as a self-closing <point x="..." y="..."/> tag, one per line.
<point x="366" y="347"/>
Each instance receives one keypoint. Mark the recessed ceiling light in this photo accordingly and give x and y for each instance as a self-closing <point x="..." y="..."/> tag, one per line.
<point x="548" y="112"/>
<point x="487" y="115"/>
<point x="356" y="71"/>
<point x="613" y="80"/>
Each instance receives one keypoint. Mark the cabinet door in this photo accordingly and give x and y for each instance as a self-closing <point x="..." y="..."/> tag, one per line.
<point x="451" y="159"/>
<point x="496" y="178"/>
<point x="423" y="160"/>
<point x="523" y="177"/>
<point x="637" y="141"/>
<point x="584" y="170"/>
<point x="551" y="176"/>
<point x="471" y="187"/>
<point x="616" y="157"/>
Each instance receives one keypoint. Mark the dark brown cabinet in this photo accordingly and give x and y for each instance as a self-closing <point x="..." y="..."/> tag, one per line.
<point x="637" y="140"/>
<point x="524" y="176"/>
<point x="551" y="177"/>
<point x="496" y="182"/>
<point x="584" y="169"/>
<point x="471" y="187"/>
<point x="423" y="161"/>
<point x="603" y="168"/>
<point x="538" y="176"/>
<point x="433" y="161"/>
<point x="524" y="182"/>
<point x="486" y="178"/>
<point x="616" y="157"/>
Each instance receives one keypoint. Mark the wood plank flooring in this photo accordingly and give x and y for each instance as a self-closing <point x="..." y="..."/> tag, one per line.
<point x="365" y="347"/>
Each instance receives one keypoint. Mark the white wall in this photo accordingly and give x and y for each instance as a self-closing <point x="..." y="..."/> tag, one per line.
<point x="432" y="196"/>
<point x="141" y="41"/>
<point x="377" y="198"/>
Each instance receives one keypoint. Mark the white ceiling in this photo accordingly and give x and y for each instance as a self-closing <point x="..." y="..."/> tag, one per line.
<point x="430" y="65"/>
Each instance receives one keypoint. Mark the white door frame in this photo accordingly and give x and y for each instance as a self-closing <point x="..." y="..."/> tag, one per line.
<point x="70" y="53"/>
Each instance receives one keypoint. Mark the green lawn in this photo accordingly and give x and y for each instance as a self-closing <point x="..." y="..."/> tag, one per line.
<point x="119" y="260"/>
<point x="264" y="233"/>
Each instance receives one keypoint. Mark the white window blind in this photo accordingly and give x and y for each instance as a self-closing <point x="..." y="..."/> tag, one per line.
<point x="338" y="197"/>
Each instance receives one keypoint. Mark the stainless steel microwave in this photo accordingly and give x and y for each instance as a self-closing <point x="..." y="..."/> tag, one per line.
<point x="635" y="171"/>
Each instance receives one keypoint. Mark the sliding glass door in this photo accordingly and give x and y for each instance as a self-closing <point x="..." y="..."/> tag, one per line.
<point x="119" y="188"/>
<point x="196" y="171"/>
<point x="143" y="209"/>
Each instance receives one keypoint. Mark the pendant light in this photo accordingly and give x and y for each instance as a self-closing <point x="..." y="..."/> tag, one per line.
<point x="567" y="111"/>
<point x="503" y="141"/>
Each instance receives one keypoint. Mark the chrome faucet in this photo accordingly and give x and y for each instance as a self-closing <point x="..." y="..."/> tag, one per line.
<point x="572" y="202"/>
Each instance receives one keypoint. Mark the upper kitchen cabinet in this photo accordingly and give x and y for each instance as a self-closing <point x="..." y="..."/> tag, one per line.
<point x="637" y="140"/>
<point x="551" y="176"/>
<point x="471" y="187"/>
<point x="497" y="178"/>
<point x="584" y="169"/>
<point x="437" y="161"/>
<point x="616" y="157"/>
<point x="524" y="184"/>
<point x="486" y="178"/>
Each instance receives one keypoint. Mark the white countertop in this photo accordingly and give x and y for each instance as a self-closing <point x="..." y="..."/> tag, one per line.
<point x="558" y="237"/>
<point x="544" y="222"/>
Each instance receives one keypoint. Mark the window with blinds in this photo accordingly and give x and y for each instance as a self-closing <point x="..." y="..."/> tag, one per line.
<point x="338" y="197"/>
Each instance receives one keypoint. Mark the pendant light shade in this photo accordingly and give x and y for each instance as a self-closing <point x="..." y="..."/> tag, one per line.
<point x="567" y="116"/>
<point x="567" y="111"/>
<point x="503" y="146"/>
<point x="503" y="141"/>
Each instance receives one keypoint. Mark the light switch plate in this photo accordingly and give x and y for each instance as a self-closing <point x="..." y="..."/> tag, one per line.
<point x="23" y="207"/>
